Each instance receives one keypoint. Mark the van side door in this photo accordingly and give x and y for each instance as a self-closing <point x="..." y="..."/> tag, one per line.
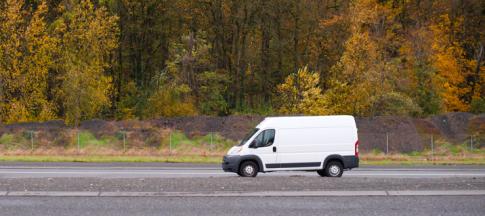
<point x="263" y="145"/>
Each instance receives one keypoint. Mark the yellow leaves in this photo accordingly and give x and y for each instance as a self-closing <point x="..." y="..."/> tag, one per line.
<point x="363" y="72"/>
<point x="26" y="49"/>
<point x="364" y="13"/>
<point x="300" y="94"/>
<point x="88" y="36"/>
<point x="15" y="112"/>
<point x="170" y="101"/>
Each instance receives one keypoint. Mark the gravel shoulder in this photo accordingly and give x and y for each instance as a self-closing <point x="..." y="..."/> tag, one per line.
<point x="227" y="184"/>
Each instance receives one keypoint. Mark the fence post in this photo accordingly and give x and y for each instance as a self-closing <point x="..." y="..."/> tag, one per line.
<point x="432" y="148"/>
<point x="170" y="143"/>
<point x="32" y="140"/>
<point x="124" y="141"/>
<point x="78" y="145"/>
<point x="210" y="147"/>
<point x="387" y="143"/>
<point x="471" y="142"/>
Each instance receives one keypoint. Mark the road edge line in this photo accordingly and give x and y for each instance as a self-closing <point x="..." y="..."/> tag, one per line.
<point x="241" y="194"/>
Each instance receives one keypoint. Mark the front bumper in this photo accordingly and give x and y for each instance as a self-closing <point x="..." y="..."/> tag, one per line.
<point x="230" y="163"/>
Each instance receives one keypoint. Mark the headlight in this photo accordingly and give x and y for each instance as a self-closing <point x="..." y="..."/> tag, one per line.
<point x="235" y="150"/>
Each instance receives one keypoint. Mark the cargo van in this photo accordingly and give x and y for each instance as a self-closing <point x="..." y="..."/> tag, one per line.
<point x="325" y="144"/>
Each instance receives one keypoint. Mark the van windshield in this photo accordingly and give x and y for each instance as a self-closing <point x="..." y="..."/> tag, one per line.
<point x="249" y="135"/>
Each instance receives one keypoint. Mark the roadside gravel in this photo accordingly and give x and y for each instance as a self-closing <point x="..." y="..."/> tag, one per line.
<point x="267" y="183"/>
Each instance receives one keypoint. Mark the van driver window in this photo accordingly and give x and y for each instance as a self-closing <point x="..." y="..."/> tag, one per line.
<point x="265" y="138"/>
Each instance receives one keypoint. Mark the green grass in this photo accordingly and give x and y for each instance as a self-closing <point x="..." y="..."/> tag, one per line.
<point x="87" y="138"/>
<point x="179" y="138"/>
<point x="15" y="141"/>
<point x="423" y="162"/>
<point x="415" y="153"/>
<point x="6" y="138"/>
<point x="98" y="158"/>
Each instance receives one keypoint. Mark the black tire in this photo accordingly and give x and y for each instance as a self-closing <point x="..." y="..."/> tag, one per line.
<point x="334" y="169"/>
<point x="248" y="169"/>
<point x="321" y="173"/>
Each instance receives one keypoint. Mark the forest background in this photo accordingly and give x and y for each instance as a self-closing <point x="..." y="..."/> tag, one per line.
<point x="119" y="59"/>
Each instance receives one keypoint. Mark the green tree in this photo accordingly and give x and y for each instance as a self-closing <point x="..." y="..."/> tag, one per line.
<point x="212" y="88"/>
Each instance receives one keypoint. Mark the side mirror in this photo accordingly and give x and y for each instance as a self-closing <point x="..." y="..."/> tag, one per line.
<point x="253" y="144"/>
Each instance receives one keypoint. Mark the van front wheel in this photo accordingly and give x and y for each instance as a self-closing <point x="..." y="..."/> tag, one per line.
<point x="248" y="169"/>
<point x="321" y="173"/>
<point x="334" y="169"/>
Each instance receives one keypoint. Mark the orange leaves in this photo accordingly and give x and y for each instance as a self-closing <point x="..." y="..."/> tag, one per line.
<point x="450" y="63"/>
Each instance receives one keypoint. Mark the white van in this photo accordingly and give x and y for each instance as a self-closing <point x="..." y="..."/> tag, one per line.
<point x="325" y="144"/>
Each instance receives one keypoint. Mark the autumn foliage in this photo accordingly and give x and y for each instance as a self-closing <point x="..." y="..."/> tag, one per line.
<point x="120" y="59"/>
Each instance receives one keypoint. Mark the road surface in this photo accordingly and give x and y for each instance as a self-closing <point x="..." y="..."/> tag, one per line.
<point x="73" y="206"/>
<point x="167" y="170"/>
<point x="203" y="189"/>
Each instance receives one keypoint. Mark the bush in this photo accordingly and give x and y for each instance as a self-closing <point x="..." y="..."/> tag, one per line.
<point x="478" y="106"/>
<point x="170" y="101"/>
<point x="395" y="103"/>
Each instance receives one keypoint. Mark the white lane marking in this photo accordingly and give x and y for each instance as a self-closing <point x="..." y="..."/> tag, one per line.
<point x="134" y="173"/>
<point x="410" y="169"/>
<point x="437" y="193"/>
<point x="218" y="168"/>
<point x="54" y="193"/>
<point x="247" y="194"/>
<point x="183" y="170"/>
<point x="120" y="168"/>
<point x="415" y="174"/>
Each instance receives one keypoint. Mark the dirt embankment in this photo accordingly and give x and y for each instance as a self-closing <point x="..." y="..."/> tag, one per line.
<point x="403" y="134"/>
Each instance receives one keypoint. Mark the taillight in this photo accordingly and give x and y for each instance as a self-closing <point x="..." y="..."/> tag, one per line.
<point x="357" y="148"/>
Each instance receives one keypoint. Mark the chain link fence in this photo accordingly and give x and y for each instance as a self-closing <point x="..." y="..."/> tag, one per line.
<point x="165" y="141"/>
<point x="389" y="143"/>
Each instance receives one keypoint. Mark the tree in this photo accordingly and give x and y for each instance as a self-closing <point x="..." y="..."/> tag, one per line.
<point x="26" y="54"/>
<point x="451" y="65"/>
<point x="212" y="88"/>
<point x="170" y="101"/>
<point x="300" y="94"/>
<point x="359" y="72"/>
<point x="88" y="35"/>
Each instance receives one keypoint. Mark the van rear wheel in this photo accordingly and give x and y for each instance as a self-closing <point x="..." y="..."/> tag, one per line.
<point x="334" y="169"/>
<point x="248" y="169"/>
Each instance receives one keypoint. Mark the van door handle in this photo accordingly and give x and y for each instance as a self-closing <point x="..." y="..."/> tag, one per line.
<point x="274" y="148"/>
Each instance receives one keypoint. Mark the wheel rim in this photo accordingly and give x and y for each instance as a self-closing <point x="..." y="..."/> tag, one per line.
<point x="249" y="170"/>
<point x="334" y="170"/>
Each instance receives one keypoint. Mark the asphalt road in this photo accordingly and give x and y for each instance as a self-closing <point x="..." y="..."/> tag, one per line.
<point x="203" y="189"/>
<point x="167" y="170"/>
<point x="400" y="205"/>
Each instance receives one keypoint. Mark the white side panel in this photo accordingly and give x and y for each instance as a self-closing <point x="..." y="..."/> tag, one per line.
<point x="305" y="145"/>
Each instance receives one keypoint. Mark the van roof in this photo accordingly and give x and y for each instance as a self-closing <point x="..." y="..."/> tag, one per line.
<point x="308" y="121"/>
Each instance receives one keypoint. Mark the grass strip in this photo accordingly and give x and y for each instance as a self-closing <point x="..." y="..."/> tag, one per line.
<point x="107" y="159"/>
<point x="217" y="159"/>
